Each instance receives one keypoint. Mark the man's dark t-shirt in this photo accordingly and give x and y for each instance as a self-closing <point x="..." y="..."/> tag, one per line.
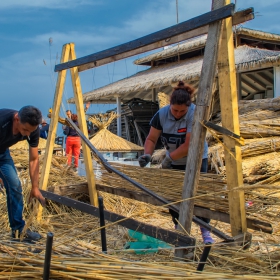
<point x="7" y="139"/>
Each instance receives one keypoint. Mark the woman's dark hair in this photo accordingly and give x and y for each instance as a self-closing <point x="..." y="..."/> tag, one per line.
<point x="182" y="94"/>
<point x="30" y="115"/>
<point x="74" y="117"/>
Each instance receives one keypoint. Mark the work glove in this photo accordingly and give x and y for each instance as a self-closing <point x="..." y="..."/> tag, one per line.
<point x="166" y="163"/>
<point x="144" y="160"/>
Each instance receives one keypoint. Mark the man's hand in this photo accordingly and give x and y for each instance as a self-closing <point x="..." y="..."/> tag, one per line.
<point x="35" y="193"/>
<point x="144" y="160"/>
<point x="166" y="163"/>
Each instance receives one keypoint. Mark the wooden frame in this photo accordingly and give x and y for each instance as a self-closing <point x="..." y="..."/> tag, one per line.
<point x="210" y="22"/>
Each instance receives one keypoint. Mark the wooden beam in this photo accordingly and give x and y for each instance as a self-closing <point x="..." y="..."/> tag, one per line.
<point x="239" y="17"/>
<point x="230" y="120"/>
<point x="248" y="84"/>
<point x="198" y="134"/>
<point x="265" y="77"/>
<point x="138" y="133"/>
<point x="177" y="33"/>
<point x="78" y="95"/>
<point x="141" y="196"/>
<point x="252" y="76"/>
<point x="43" y="183"/>
<point x="171" y="237"/>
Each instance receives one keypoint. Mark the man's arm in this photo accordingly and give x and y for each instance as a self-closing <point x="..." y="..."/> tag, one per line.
<point x="34" y="175"/>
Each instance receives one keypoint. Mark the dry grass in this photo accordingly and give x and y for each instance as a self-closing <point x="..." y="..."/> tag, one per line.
<point x="77" y="246"/>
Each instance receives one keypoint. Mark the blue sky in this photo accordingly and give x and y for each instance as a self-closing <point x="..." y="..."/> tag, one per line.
<point x="27" y="58"/>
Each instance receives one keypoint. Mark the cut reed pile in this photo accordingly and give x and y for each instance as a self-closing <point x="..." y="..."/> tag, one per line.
<point x="77" y="247"/>
<point x="23" y="145"/>
<point x="255" y="124"/>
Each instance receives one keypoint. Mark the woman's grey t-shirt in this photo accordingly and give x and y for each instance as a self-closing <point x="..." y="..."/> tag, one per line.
<point x="174" y="131"/>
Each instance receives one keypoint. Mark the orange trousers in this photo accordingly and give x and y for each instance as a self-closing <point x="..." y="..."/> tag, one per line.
<point x="73" y="146"/>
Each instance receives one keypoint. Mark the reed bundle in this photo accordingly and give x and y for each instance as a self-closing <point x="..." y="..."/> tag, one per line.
<point x="255" y="124"/>
<point x="272" y="104"/>
<point x="212" y="191"/>
<point x="252" y="148"/>
<point x="163" y="99"/>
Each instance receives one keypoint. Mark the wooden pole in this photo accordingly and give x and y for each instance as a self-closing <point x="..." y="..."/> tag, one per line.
<point x="83" y="127"/>
<point x="198" y="134"/>
<point x="229" y="115"/>
<point x="53" y="125"/>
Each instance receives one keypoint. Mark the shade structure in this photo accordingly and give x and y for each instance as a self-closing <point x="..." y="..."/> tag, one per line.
<point x="106" y="141"/>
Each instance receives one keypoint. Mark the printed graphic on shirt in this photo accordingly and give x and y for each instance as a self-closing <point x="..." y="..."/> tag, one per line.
<point x="182" y="130"/>
<point x="172" y="141"/>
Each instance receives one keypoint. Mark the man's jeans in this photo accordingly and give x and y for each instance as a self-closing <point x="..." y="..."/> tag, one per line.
<point x="13" y="187"/>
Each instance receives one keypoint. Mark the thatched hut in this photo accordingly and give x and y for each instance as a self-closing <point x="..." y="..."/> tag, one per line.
<point x="108" y="142"/>
<point x="257" y="58"/>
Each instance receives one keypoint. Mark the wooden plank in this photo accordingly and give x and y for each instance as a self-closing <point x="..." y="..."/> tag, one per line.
<point x="78" y="95"/>
<point x="239" y="17"/>
<point x="229" y="115"/>
<point x="172" y="237"/>
<point x="140" y="196"/>
<point x="43" y="183"/>
<point x="198" y="134"/>
<point x="138" y="133"/>
<point x="152" y="39"/>
<point x="127" y="132"/>
<point x="198" y="211"/>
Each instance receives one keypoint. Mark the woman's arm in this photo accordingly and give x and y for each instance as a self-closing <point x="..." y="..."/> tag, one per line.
<point x="151" y="140"/>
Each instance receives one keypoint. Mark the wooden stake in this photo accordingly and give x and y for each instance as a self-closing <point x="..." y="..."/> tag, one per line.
<point x="83" y="127"/>
<point x="198" y="131"/>
<point x="53" y="125"/>
<point x="229" y="115"/>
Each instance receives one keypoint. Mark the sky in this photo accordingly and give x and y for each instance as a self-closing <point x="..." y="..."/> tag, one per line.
<point x="32" y="34"/>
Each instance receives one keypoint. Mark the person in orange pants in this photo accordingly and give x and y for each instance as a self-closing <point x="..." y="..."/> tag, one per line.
<point x="73" y="143"/>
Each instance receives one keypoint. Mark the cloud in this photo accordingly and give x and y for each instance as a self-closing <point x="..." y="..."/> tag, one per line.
<point x="50" y="4"/>
<point x="162" y="14"/>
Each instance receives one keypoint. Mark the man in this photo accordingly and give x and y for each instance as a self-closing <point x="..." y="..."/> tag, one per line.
<point x="44" y="129"/>
<point x="17" y="126"/>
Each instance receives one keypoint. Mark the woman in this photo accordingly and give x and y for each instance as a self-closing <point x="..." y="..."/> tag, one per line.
<point x="73" y="143"/>
<point x="174" y="124"/>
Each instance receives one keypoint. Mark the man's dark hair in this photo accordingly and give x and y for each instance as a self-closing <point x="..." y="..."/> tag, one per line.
<point x="31" y="115"/>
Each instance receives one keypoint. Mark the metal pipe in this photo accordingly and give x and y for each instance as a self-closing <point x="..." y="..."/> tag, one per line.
<point x="203" y="258"/>
<point x="110" y="169"/>
<point x="47" y="263"/>
<point x="102" y="224"/>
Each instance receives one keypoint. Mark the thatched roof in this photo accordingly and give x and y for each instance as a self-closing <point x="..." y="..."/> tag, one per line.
<point x="200" y="42"/>
<point x="190" y="45"/>
<point x="246" y="58"/>
<point x="258" y="34"/>
<point x="106" y="141"/>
